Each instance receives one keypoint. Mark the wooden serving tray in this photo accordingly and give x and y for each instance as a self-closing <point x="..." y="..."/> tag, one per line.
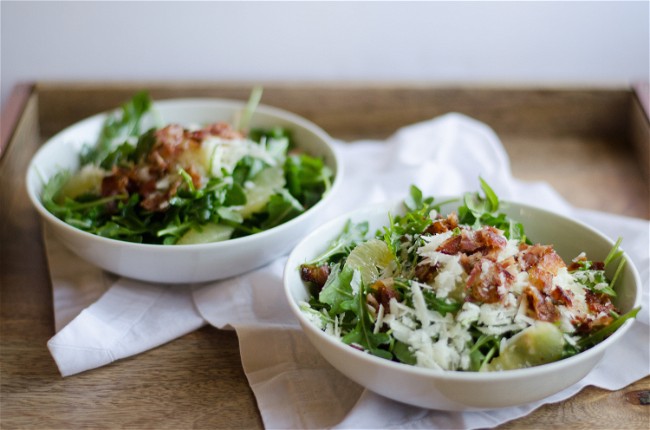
<point x="590" y="144"/>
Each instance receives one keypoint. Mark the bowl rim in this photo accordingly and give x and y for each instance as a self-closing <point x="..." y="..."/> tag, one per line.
<point x="451" y="375"/>
<point x="189" y="102"/>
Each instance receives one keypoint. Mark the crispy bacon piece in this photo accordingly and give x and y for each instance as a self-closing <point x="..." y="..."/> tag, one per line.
<point x="155" y="202"/>
<point x="316" y="275"/>
<point x="595" y="265"/>
<point x="562" y="296"/>
<point x="442" y="225"/>
<point x="223" y="129"/>
<point x="161" y="164"/>
<point x="542" y="264"/>
<point x="117" y="183"/>
<point x="170" y="143"/>
<point x="551" y="262"/>
<point x="598" y="302"/>
<point x="487" y="241"/>
<point x="529" y="255"/>
<point x="450" y="246"/>
<point x="425" y="273"/>
<point x="540" y="306"/>
<point x="469" y="261"/>
<point x="147" y="187"/>
<point x="382" y="291"/>
<point x="543" y="256"/>
<point x="540" y="279"/>
<point x="485" y="280"/>
<point x="600" y="307"/>
<point x="218" y="129"/>
<point x="576" y="262"/>
<point x="492" y="242"/>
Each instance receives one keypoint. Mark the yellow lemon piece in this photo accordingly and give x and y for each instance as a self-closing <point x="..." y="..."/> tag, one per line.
<point x="87" y="180"/>
<point x="370" y="258"/>
<point x="207" y="234"/>
<point x="266" y="183"/>
<point x="540" y="343"/>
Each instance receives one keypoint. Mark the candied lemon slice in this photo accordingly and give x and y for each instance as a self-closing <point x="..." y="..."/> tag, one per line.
<point x="370" y="258"/>
<point x="207" y="234"/>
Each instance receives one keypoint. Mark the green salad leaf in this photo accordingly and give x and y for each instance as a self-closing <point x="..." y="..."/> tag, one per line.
<point x="117" y="130"/>
<point x="351" y="235"/>
<point x="479" y="210"/>
<point x="363" y="334"/>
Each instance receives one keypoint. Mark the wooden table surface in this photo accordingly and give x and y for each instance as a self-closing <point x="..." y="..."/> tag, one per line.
<point x="590" y="144"/>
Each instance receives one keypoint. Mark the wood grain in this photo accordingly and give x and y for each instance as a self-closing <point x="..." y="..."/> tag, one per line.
<point x="12" y="112"/>
<point x="352" y="111"/>
<point x="197" y="381"/>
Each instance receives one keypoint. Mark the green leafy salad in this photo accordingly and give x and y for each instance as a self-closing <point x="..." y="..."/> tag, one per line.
<point x="184" y="184"/>
<point x="466" y="291"/>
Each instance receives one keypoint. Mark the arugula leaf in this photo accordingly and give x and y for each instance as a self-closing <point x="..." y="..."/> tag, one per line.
<point x="414" y="200"/>
<point x="281" y="208"/>
<point x="144" y="145"/>
<point x="594" y="280"/>
<point x="363" y="334"/>
<point x="478" y="211"/>
<point x="440" y="305"/>
<point x="413" y="223"/>
<point x="337" y="289"/>
<point x="490" y="195"/>
<point x="417" y="218"/>
<point x="307" y="178"/>
<point x="598" y="336"/>
<point x="246" y="169"/>
<point x="618" y="272"/>
<point x="593" y="277"/>
<point x="51" y="190"/>
<point x="614" y="253"/>
<point x="117" y="129"/>
<point x="403" y="353"/>
<point x="272" y="133"/>
<point x="119" y="157"/>
<point x="235" y="196"/>
<point x="483" y="350"/>
<point x="351" y="235"/>
<point x="478" y="205"/>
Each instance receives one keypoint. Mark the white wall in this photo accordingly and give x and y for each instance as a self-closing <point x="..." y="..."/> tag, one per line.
<point x="462" y="42"/>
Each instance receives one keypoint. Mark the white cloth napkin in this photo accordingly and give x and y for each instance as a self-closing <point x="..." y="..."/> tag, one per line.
<point x="101" y="318"/>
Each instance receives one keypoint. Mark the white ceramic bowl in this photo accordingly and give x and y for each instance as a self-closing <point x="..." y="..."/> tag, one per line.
<point x="451" y="390"/>
<point x="187" y="263"/>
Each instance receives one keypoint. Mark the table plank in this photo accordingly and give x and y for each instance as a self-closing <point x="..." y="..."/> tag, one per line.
<point x="12" y="112"/>
<point x="197" y="380"/>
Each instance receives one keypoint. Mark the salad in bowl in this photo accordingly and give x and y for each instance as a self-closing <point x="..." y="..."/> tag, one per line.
<point x="446" y="298"/>
<point x="171" y="183"/>
<point x="184" y="190"/>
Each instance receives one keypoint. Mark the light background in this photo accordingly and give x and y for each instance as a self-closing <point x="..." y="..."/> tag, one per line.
<point x="495" y="43"/>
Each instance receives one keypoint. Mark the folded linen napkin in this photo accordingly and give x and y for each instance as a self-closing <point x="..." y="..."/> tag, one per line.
<point x="294" y="387"/>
